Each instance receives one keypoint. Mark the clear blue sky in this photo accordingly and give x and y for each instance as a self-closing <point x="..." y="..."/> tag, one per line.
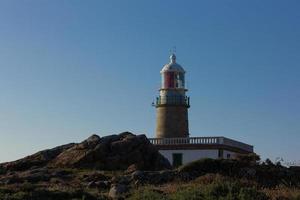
<point x="72" y="68"/>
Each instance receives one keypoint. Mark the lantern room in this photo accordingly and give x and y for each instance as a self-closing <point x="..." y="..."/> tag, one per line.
<point x="173" y="75"/>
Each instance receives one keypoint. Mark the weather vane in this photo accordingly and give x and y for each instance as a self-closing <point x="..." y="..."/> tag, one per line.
<point x="173" y="50"/>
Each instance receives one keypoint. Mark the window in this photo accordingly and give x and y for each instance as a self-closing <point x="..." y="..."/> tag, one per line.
<point x="177" y="81"/>
<point x="228" y="156"/>
<point x="181" y="80"/>
<point x="169" y="79"/>
<point x="173" y="80"/>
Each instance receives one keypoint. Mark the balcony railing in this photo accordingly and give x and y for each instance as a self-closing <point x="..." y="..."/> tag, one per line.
<point x="173" y="100"/>
<point x="201" y="140"/>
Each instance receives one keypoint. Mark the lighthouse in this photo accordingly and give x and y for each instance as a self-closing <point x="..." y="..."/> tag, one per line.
<point x="172" y="103"/>
<point x="173" y="139"/>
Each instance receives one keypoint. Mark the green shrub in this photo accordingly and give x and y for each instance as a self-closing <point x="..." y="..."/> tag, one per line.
<point x="266" y="174"/>
<point x="219" y="190"/>
<point x="232" y="190"/>
<point x="227" y="167"/>
<point x="205" y="165"/>
<point x="251" y="158"/>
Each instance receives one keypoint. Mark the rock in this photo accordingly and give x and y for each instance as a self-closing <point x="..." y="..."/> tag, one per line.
<point x="117" y="191"/>
<point x="125" y="151"/>
<point x="115" y="152"/>
<point x="93" y="139"/>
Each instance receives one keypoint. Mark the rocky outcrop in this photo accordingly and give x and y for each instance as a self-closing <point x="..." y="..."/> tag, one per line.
<point x="115" y="152"/>
<point x="125" y="151"/>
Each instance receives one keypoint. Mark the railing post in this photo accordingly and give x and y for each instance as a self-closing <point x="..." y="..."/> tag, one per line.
<point x="221" y="140"/>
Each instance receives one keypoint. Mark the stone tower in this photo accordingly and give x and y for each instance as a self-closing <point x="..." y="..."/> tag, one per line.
<point x="172" y="104"/>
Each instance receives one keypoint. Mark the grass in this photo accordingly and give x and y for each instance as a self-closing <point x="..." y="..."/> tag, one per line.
<point x="213" y="187"/>
<point x="207" y="187"/>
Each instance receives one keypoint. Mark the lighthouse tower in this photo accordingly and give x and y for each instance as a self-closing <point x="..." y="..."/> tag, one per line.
<point x="172" y="104"/>
<point x="172" y="139"/>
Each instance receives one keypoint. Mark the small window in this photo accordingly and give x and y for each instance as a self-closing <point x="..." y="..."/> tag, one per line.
<point x="228" y="156"/>
<point x="177" y="159"/>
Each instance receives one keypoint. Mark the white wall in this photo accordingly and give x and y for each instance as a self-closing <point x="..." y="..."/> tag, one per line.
<point x="190" y="155"/>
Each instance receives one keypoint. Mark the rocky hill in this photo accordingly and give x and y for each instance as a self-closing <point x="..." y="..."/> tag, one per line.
<point x="124" y="151"/>
<point x="128" y="166"/>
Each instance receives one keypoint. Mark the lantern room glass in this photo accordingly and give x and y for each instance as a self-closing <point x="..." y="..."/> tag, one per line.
<point x="173" y="80"/>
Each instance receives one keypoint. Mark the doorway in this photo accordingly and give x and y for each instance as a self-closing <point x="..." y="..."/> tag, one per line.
<point x="177" y="159"/>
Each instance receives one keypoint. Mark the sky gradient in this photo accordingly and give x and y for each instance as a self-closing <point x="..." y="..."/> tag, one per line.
<point x="72" y="68"/>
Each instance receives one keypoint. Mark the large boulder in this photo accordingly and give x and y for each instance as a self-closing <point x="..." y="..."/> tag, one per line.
<point x="115" y="152"/>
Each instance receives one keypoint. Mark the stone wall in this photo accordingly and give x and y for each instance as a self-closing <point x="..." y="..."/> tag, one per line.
<point x="172" y="121"/>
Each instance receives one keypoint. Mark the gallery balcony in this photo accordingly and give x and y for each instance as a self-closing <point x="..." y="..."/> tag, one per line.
<point x="172" y="101"/>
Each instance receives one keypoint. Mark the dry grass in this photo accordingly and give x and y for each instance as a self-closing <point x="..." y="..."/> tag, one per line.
<point x="283" y="192"/>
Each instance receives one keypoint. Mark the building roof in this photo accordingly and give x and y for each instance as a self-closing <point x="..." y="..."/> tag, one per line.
<point x="172" y="66"/>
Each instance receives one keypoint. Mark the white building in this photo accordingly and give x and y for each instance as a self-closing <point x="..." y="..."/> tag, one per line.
<point x="172" y="134"/>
